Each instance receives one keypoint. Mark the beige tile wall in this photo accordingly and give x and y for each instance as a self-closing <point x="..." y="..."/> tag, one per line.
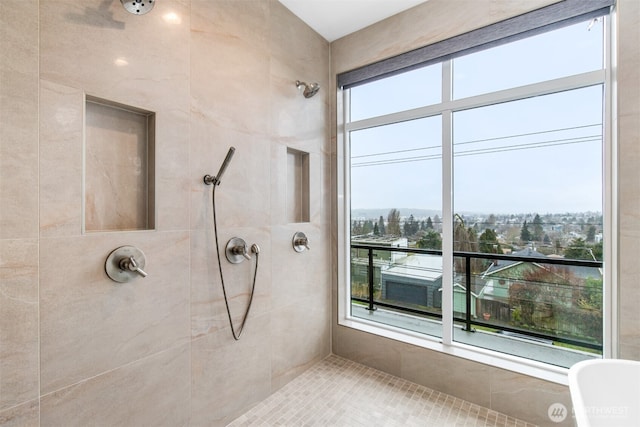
<point x="492" y="387"/>
<point x="19" y="245"/>
<point x="79" y="349"/>
<point x="628" y="127"/>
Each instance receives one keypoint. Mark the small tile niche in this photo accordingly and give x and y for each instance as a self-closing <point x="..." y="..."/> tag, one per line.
<point x="297" y="186"/>
<point x="119" y="167"/>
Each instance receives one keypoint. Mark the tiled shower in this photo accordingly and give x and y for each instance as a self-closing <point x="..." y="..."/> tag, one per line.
<point x="196" y="77"/>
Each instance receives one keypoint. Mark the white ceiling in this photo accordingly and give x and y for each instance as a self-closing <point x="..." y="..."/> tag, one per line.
<point x="336" y="18"/>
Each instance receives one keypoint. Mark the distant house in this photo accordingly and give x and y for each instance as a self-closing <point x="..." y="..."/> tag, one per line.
<point x="460" y="301"/>
<point x="381" y="259"/>
<point x="415" y="280"/>
<point x="494" y="297"/>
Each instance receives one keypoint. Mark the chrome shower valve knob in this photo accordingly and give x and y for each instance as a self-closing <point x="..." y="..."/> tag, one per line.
<point x="125" y="264"/>
<point x="240" y="250"/>
<point x="131" y="265"/>
<point x="300" y="242"/>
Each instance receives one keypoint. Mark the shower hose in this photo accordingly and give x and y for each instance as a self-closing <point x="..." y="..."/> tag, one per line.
<point x="236" y="335"/>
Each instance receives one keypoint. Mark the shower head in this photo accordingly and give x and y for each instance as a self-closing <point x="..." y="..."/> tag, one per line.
<point x="309" y="89"/>
<point x="215" y="180"/>
<point x="138" y="7"/>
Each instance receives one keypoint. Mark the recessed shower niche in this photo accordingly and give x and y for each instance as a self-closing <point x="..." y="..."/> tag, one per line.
<point x="297" y="186"/>
<point x="119" y="167"/>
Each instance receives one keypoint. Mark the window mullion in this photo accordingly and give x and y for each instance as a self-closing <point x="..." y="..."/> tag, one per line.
<point x="547" y="87"/>
<point x="610" y="295"/>
<point x="344" y="195"/>
<point x="447" y="207"/>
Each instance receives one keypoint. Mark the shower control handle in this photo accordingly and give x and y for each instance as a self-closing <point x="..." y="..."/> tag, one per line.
<point x="300" y="242"/>
<point x="125" y="264"/>
<point x="131" y="264"/>
<point x="236" y="250"/>
<point x="241" y="250"/>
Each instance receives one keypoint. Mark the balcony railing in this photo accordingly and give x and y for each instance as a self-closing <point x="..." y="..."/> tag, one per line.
<point x="567" y="288"/>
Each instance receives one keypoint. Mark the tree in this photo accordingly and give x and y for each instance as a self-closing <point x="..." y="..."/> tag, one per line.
<point x="381" y="228"/>
<point x="411" y="226"/>
<point x="488" y="242"/>
<point x="356" y="228"/>
<point x="597" y="251"/>
<point x="523" y="296"/>
<point x="429" y="224"/>
<point x="591" y="294"/>
<point x="367" y="227"/>
<point x="393" y="222"/>
<point x="465" y="239"/>
<point x="376" y="229"/>
<point x="525" y="234"/>
<point x="431" y="240"/>
<point x="437" y="223"/>
<point x="460" y="236"/>
<point x="551" y="286"/>
<point x="591" y="234"/>
<point x="538" y="231"/>
<point x="578" y="249"/>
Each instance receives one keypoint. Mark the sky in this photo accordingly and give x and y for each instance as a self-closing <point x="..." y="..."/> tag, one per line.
<point x="541" y="154"/>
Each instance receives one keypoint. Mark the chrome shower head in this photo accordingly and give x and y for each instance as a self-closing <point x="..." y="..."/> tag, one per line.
<point x="309" y="89"/>
<point x="138" y="7"/>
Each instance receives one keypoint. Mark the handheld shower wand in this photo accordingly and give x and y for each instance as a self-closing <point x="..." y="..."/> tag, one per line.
<point x="215" y="180"/>
<point x="237" y="249"/>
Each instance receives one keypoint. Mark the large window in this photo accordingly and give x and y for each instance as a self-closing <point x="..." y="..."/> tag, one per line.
<point x="475" y="199"/>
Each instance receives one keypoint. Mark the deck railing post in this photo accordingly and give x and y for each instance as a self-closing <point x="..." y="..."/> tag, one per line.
<point x="370" y="274"/>
<point x="467" y="267"/>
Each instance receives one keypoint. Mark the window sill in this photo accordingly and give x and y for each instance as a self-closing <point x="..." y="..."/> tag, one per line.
<point x="520" y="365"/>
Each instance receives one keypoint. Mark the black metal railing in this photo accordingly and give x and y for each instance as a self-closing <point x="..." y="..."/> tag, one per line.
<point x="468" y="320"/>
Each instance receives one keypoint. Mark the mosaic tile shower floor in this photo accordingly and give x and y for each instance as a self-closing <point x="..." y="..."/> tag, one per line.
<point x="337" y="392"/>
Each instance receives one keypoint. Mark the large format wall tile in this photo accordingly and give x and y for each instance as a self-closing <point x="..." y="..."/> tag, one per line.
<point x="230" y="376"/>
<point x="61" y="129"/>
<point x="299" y="338"/>
<point x="300" y="276"/>
<point x="453" y="375"/>
<point x="229" y="45"/>
<point x="508" y="391"/>
<point x="629" y="190"/>
<point x="208" y="309"/>
<point x="25" y="415"/>
<point x="243" y="198"/>
<point x="18" y="119"/>
<point x="18" y="322"/>
<point x="91" y="324"/>
<point x="142" y="61"/>
<point x="229" y="41"/>
<point x="153" y="391"/>
<point x="371" y="350"/>
<point x="295" y="57"/>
